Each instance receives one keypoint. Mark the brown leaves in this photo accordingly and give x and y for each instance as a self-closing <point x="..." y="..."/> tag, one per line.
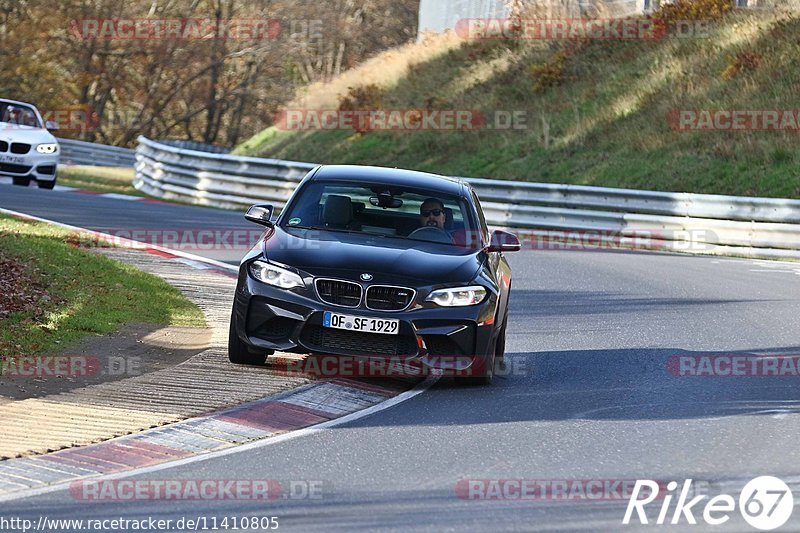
<point x="683" y="10"/>
<point x="742" y="61"/>
<point x="18" y="290"/>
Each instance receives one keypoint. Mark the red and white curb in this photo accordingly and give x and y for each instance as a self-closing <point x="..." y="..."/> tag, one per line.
<point x="251" y="425"/>
<point x="263" y="422"/>
<point x="194" y="261"/>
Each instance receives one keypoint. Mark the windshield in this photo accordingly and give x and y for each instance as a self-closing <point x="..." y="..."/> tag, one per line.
<point x="19" y="115"/>
<point x="382" y="210"/>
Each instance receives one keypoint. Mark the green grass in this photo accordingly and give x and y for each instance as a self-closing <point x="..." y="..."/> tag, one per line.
<point x="89" y="294"/>
<point x="603" y="123"/>
<point x="99" y="179"/>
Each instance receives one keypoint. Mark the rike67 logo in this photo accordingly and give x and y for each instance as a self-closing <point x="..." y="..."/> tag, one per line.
<point x="766" y="503"/>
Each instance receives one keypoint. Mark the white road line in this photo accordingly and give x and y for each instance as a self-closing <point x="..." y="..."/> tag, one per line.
<point x="125" y="243"/>
<point x="269" y="441"/>
<point x="117" y="196"/>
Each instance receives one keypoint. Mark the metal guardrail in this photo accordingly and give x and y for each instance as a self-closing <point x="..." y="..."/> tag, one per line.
<point x="84" y="153"/>
<point x="214" y="179"/>
<point x="727" y="225"/>
<point x="191" y="145"/>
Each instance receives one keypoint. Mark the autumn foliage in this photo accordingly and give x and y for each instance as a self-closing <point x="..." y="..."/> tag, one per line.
<point x="203" y="87"/>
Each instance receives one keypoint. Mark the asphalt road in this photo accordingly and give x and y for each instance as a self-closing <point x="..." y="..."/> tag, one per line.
<point x="588" y="395"/>
<point x="218" y="234"/>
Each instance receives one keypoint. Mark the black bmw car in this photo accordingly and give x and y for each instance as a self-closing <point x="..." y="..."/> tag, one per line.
<point x="378" y="263"/>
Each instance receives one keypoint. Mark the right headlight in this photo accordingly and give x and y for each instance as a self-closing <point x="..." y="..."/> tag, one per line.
<point x="275" y="275"/>
<point x="457" y="296"/>
<point x="48" y="148"/>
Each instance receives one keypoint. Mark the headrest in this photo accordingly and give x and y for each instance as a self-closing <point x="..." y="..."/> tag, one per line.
<point x="338" y="211"/>
<point x="448" y="218"/>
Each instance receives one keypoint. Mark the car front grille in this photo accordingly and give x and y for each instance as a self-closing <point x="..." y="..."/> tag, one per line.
<point x="336" y="292"/>
<point x="14" y="169"/>
<point x="20" y="148"/>
<point x="389" y="298"/>
<point x="3" y="146"/>
<point x="340" y="342"/>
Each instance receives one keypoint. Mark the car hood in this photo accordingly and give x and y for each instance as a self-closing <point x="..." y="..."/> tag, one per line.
<point x="388" y="260"/>
<point x="24" y="134"/>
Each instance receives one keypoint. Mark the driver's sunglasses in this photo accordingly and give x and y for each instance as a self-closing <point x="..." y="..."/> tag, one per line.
<point x="434" y="212"/>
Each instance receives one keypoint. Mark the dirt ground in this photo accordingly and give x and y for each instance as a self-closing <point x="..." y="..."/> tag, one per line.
<point x="134" y="350"/>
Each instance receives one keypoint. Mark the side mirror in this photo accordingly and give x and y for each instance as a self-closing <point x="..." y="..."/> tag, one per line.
<point x="52" y="126"/>
<point x="503" y="241"/>
<point x="260" y="214"/>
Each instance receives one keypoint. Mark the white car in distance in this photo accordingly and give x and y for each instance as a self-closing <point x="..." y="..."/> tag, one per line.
<point x="28" y="151"/>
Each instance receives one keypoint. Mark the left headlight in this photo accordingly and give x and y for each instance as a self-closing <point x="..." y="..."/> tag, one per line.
<point x="49" y="148"/>
<point x="457" y="296"/>
<point x="275" y="275"/>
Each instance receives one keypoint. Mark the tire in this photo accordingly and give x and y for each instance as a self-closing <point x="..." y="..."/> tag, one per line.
<point x="496" y="357"/>
<point x="485" y="378"/>
<point x="500" y="347"/>
<point x="23" y="182"/>
<point x="47" y="184"/>
<point x="238" y="351"/>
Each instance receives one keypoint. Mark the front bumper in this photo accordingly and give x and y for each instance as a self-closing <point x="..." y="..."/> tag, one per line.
<point x="41" y="167"/>
<point x="454" y="338"/>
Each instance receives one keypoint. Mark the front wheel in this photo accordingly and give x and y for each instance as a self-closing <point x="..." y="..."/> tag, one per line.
<point x="484" y="375"/>
<point x="500" y="347"/>
<point x="238" y="351"/>
<point x="23" y="182"/>
<point x="47" y="184"/>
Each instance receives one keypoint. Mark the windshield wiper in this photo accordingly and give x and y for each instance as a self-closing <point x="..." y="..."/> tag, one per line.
<point x="322" y="228"/>
<point x="342" y="230"/>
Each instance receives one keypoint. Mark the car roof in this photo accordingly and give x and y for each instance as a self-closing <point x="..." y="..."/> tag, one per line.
<point x="15" y="102"/>
<point x="391" y="176"/>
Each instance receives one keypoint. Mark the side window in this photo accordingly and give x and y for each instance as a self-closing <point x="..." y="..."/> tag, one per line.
<point x="481" y="218"/>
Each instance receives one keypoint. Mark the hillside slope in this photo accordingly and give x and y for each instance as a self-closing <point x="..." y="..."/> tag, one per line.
<point x="596" y="112"/>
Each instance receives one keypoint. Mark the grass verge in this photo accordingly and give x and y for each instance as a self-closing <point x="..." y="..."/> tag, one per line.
<point x="68" y="293"/>
<point x="593" y="113"/>
<point x="98" y="179"/>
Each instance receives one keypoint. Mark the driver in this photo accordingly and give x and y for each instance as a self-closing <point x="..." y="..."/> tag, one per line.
<point x="431" y="213"/>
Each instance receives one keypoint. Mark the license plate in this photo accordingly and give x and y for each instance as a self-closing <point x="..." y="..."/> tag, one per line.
<point x="12" y="159"/>
<point x="388" y="326"/>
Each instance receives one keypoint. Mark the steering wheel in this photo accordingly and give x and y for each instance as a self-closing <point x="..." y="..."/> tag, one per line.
<point x="431" y="234"/>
